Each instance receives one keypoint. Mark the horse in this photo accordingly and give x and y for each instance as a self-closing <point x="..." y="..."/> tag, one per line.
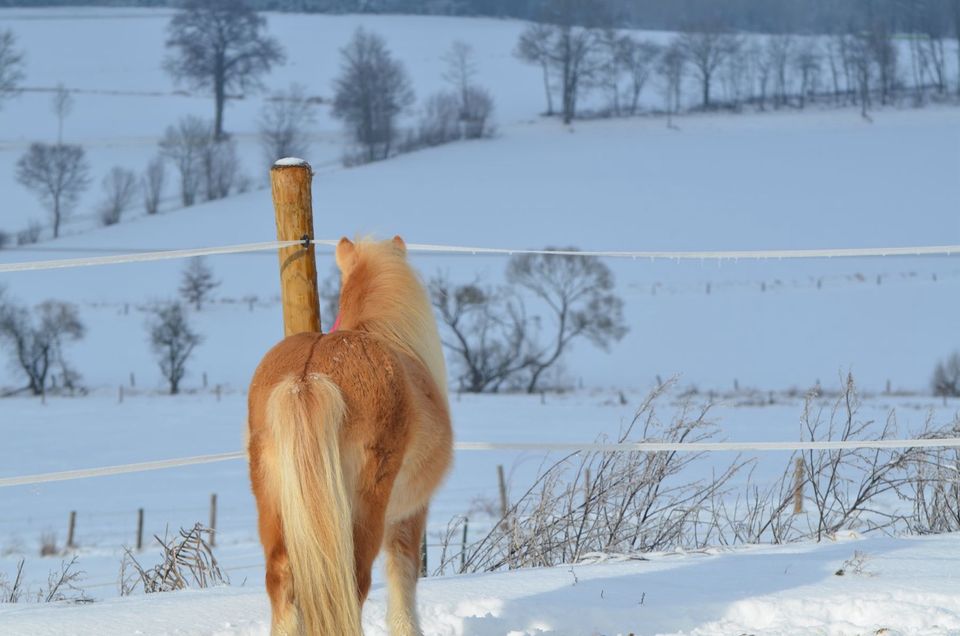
<point x="349" y="435"/>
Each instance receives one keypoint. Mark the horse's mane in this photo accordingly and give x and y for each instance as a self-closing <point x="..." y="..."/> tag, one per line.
<point x="383" y="294"/>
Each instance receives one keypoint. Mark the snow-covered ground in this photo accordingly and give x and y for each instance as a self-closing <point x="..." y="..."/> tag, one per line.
<point x="895" y="587"/>
<point x="776" y="180"/>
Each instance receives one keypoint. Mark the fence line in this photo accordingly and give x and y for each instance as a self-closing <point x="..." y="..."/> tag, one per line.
<point x="142" y="257"/>
<point x="722" y="255"/>
<point x="629" y="447"/>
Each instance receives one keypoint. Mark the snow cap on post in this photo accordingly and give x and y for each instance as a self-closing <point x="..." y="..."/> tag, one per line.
<point x="291" y="161"/>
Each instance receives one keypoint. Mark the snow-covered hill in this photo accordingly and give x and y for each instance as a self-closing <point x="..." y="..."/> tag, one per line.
<point x="774" y="180"/>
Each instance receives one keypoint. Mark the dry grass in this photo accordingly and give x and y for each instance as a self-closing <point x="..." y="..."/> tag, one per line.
<point x="186" y="561"/>
<point x="598" y="505"/>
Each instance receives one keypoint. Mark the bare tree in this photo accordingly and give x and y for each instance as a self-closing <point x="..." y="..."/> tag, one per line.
<point x="283" y="122"/>
<point x="220" y="45"/>
<point x="221" y="168"/>
<point x="946" y="376"/>
<point x="197" y="282"/>
<point x="30" y="234"/>
<point x="119" y="189"/>
<point x="670" y="68"/>
<point x="567" y="43"/>
<point x="152" y="183"/>
<point x="762" y="64"/>
<point x="577" y="292"/>
<point x="835" y="46"/>
<point x="62" y="105"/>
<point x="185" y="145"/>
<point x="460" y="71"/>
<point x="57" y="174"/>
<point x="37" y="342"/>
<point x="955" y="15"/>
<point x="534" y="47"/>
<point x="173" y="341"/>
<point x="476" y="103"/>
<point x="780" y="52"/>
<point x="612" y="52"/>
<point x="371" y="92"/>
<point x="807" y="63"/>
<point x="859" y="57"/>
<point x="479" y="112"/>
<point x="932" y="54"/>
<point x="883" y="52"/>
<point x="574" y="55"/>
<point x="639" y="60"/>
<point x="705" y="48"/>
<point x="11" y="65"/>
<point x="736" y="75"/>
<point x="440" y="122"/>
<point x="488" y="334"/>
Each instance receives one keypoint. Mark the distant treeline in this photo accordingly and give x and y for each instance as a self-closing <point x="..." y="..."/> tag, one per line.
<point x="769" y="16"/>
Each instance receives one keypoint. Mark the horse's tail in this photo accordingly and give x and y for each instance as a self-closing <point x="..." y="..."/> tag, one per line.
<point x="305" y="415"/>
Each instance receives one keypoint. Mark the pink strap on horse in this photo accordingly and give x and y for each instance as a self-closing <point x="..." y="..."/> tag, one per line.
<point x="336" y="324"/>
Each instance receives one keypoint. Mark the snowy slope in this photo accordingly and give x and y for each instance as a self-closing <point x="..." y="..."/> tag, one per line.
<point x="778" y="180"/>
<point x="783" y="180"/>
<point x="905" y="586"/>
<point x="721" y="183"/>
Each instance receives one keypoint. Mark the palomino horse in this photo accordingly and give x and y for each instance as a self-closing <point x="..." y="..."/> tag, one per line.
<point x="349" y="437"/>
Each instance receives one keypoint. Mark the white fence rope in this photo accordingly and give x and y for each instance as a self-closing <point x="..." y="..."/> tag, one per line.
<point x="631" y="447"/>
<point x="142" y="257"/>
<point x="723" y="255"/>
<point x="728" y="255"/>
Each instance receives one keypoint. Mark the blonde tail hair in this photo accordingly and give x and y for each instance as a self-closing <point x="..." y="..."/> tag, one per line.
<point x="305" y="415"/>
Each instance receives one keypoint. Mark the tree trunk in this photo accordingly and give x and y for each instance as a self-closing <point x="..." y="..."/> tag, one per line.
<point x="219" y="90"/>
<point x="546" y="88"/>
<point x="56" y="216"/>
<point x="706" y="91"/>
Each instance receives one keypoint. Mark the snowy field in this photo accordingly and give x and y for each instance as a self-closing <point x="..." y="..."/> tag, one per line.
<point x="908" y="586"/>
<point x="776" y="180"/>
<point x="903" y="587"/>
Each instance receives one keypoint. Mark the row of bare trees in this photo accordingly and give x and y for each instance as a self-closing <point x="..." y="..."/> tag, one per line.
<point x="58" y="174"/>
<point x="37" y="338"/>
<point x="373" y="90"/>
<point x="578" y="51"/>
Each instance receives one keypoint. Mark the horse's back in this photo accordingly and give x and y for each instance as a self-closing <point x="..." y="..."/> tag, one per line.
<point x="372" y="378"/>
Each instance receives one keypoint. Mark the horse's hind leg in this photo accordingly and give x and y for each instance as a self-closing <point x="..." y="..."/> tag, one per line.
<point x="279" y="581"/>
<point x="403" y="567"/>
<point x="368" y="516"/>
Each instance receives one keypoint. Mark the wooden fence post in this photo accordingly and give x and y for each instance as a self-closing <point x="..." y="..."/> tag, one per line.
<point x="290" y="184"/>
<point x="503" y="494"/>
<point x="798" y="487"/>
<point x="71" y="528"/>
<point x="586" y="489"/>
<point x="423" y="555"/>
<point x="139" y="529"/>
<point x="213" y="519"/>
<point x="463" y="546"/>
